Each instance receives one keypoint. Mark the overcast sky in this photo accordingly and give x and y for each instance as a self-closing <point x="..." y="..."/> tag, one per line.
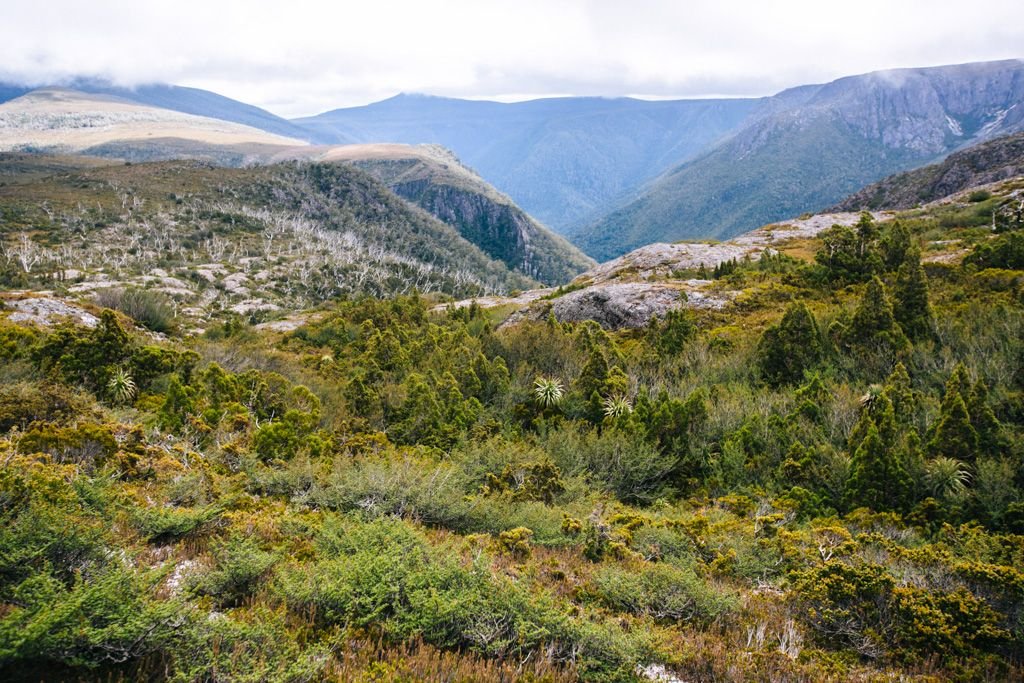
<point x="297" y="57"/>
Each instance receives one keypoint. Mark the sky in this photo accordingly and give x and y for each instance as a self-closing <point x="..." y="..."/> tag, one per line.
<point x="299" y="57"/>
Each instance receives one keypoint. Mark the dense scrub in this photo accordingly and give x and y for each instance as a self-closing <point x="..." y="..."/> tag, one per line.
<point x="822" y="481"/>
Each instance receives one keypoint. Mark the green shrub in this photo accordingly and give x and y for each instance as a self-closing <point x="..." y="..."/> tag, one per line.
<point x="23" y="403"/>
<point x="257" y="645"/>
<point x="110" y="617"/>
<point x="863" y="607"/>
<point x="662" y="591"/>
<point x="160" y="524"/>
<point x="150" y="309"/>
<point x="791" y="348"/>
<point x="630" y="467"/>
<point x="240" y="564"/>
<point x="386" y="576"/>
<point x="89" y="445"/>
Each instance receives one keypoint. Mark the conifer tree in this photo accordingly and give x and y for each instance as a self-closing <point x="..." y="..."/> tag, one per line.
<point x="867" y="233"/>
<point x="910" y="299"/>
<point x="790" y="348"/>
<point x="874" y="332"/>
<point x="594" y="373"/>
<point x="984" y="421"/>
<point x="958" y="384"/>
<point x="880" y="416"/>
<point x="878" y="479"/>
<point x="900" y="393"/>
<point x="894" y="246"/>
<point x="954" y="436"/>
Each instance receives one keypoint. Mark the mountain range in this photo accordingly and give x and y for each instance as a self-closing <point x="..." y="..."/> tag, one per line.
<point x="609" y="174"/>
<point x="564" y="160"/>
<point x="429" y="178"/>
<point x="807" y="148"/>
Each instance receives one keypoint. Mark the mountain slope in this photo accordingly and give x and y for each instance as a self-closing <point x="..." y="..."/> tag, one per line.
<point x="63" y="120"/>
<point x="433" y="179"/>
<point x="807" y="148"/>
<point x="256" y="239"/>
<point x="564" y="160"/>
<point x="981" y="164"/>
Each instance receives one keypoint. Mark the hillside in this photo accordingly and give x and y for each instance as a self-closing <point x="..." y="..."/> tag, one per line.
<point x="66" y="121"/>
<point x="817" y="478"/>
<point x="433" y="179"/>
<point x="259" y="242"/>
<point x="806" y="149"/>
<point x="974" y="166"/>
<point x="563" y="160"/>
<point x="58" y="120"/>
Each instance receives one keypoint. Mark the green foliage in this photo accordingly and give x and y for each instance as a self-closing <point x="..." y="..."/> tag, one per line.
<point x="150" y="309"/>
<point x="386" y="493"/>
<point x="548" y="391"/>
<point x="954" y="435"/>
<point x="873" y="336"/>
<point x="628" y="467"/>
<point x="791" y="348"/>
<point x="911" y="308"/>
<point x="240" y="567"/>
<point x="670" y="336"/>
<point x="661" y="591"/>
<point x="848" y="256"/>
<point x="121" y="386"/>
<point x="110" y="617"/>
<point x="88" y="445"/>
<point x="539" y="481"/>
<point x="864" y="608"/>
<point x="878" y="479"/>
<point x="1005" y="251"/>
<point x="392" y="579"/>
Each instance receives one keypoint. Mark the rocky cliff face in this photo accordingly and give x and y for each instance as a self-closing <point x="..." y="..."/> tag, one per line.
<point x="927" y="111"/>
<point x="434" y="179"/>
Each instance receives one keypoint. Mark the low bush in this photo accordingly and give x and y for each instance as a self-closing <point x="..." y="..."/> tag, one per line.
<point x="150" y="309"/>
<point x="662" y="591"/>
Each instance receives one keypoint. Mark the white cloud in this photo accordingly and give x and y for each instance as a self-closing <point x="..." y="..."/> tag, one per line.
<point x="301" y="57"/>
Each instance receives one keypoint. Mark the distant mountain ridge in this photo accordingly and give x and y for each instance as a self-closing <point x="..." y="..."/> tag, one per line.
<point x="181" y="99"/>
<point x="70" y="121"/>
<point x="564" y="160"/>
<point x="807" y="148"/>
<point x="616" y="174"/>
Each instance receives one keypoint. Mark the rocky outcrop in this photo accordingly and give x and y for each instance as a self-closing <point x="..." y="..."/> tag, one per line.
<point x="629" y="291"/>
<point x="618" y="305"/>
<point x="38" y="308"/>
<point x="662" y="260"/>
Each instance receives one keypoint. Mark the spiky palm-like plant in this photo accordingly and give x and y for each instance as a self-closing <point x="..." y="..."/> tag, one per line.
<point x="947" y="477"/>
<point x="548" y="391"/>
<point x="121" y="386"/>
<point x="617" y="406"/>
<point x="871" y="395"/>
